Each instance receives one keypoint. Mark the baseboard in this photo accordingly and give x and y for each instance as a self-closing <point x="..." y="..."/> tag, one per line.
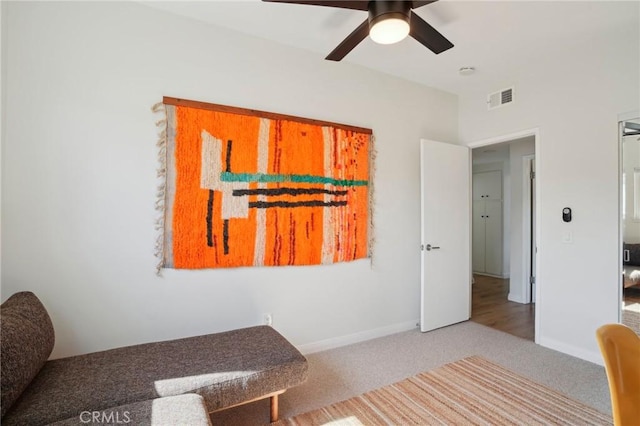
<point x="594" y="357"/>
<point x="518" y="299"/>
<point x="502" y="277"/>
<point x="336" y="342"/>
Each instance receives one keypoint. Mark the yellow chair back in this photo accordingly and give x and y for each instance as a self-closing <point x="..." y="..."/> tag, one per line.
<point x="620" y="347"/>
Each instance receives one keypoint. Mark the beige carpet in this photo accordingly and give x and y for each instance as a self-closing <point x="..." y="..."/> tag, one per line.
<point x="472" y="391"/>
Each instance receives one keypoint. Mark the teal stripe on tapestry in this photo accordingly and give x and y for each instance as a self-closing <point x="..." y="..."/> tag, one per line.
<point x="267" y="178"/>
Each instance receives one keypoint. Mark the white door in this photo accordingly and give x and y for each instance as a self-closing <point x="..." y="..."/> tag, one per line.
<point x="493" y="237"/>
<point x="487" y="185"/>
<point x="534" y="247"/>
<point x="445" y="235"/>
<point x="487" y="222"/>
<point x="478" y="237"/>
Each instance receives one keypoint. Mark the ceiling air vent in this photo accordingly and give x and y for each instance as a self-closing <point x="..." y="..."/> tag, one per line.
<point x="500" y="98"/>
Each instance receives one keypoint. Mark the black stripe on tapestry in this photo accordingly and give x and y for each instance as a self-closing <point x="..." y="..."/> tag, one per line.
<point x="228" y="159"/>
<point x="215" y="252"/>
<point x="276" y="245"/>
<point x="292" y="240"/>
<point x="355" y="232"/>
<point x="286" y="191"/>
<point x="286" y="204"/>
<point x="210" y="219"/>
<point x="225" y="236"/>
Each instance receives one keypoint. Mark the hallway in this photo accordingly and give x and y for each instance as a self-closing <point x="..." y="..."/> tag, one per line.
<point x="490" y="307"/>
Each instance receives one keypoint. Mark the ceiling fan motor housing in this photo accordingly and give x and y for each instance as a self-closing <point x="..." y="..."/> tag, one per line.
<point x="381" y="10"/>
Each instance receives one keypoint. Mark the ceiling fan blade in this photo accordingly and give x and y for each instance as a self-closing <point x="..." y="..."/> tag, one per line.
<point x="419" y="3"/>
<point x="427" y="35"/>
<point x="344" y="4"/>
<point x="350" y="42"/>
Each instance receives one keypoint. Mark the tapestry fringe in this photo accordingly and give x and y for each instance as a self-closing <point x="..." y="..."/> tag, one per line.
<point x="372" y="172"/>
<point x="161" y="125"/>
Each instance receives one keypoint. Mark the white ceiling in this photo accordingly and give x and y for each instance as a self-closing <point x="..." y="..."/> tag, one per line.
<point x="499" y="38"/>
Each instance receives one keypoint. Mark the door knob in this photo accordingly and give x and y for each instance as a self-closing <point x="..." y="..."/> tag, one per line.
<point x="430" y="247"/>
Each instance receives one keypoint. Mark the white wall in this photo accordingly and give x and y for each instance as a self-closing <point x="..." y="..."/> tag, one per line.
<point x="517" y="150"/>
<point x="574" y="100"/>
<point x="79" y="178"/>
<point x="3" y="63"/>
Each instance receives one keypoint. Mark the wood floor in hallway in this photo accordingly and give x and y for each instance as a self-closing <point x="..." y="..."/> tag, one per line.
<point x="491" y="307"/>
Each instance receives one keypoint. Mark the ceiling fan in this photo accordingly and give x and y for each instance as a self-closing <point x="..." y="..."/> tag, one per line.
<point x="389" y="22"/>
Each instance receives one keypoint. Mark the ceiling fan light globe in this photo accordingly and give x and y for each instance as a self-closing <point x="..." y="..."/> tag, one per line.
<point x="389" y="31"/>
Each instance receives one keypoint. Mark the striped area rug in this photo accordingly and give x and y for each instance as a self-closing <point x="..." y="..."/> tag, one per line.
<point x="472" y="391"/>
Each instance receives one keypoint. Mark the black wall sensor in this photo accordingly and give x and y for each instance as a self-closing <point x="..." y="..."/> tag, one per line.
<point x="566" y="214"/>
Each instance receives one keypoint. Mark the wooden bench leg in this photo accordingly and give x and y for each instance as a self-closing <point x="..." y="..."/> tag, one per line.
<point x="273" y="397"/>
<point x="274" y="408"/>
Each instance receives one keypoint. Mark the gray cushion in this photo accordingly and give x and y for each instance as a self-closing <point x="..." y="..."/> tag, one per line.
<point x="186" y="409"/>
<point x="225" y="368"/>
<point x="27" y="341"/>
<point x="634" y="254"/>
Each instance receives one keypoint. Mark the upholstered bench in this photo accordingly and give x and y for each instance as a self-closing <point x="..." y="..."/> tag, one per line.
<point x="226" y="369"/>
<point x="187" y="409"/>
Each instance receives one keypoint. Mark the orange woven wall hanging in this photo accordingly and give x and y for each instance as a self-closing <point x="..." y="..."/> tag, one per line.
<point x="250" y="188"/>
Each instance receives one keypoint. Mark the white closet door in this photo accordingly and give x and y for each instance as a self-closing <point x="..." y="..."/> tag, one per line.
<point x="487" y="185"/>
<point x="487" y="222"/>
<point x="493" y="237"/>
<point x="478" y="236"/>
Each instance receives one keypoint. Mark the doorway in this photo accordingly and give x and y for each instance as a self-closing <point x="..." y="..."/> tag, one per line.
<point x="504" y="290"/>
<point x="630" y="222"/>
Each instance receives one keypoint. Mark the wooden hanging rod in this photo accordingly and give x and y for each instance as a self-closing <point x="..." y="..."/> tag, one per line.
<point x="253" y="112"/>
